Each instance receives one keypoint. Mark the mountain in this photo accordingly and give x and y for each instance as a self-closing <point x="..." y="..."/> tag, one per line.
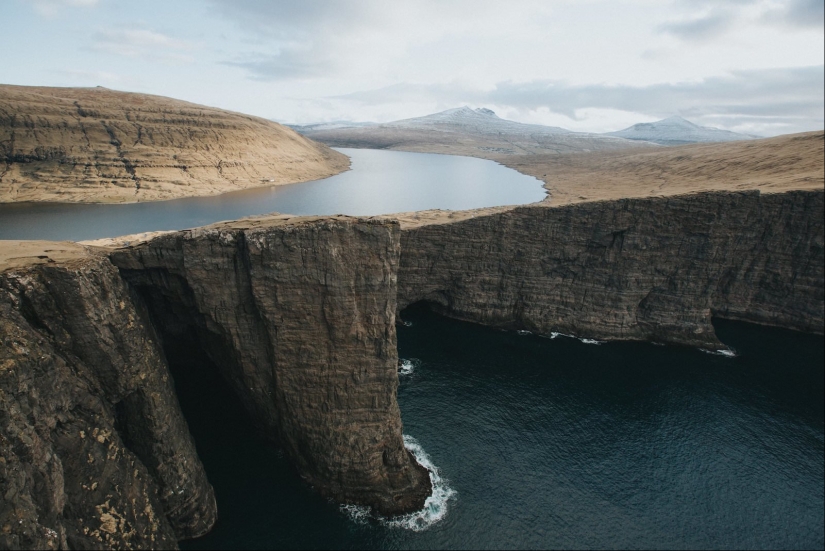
<point x="93" y="145"/>
<point x="328" y="125"/>
<point x="463" y="131"/>
<point x="677" y="131"/>
<point x="475" y="121"/>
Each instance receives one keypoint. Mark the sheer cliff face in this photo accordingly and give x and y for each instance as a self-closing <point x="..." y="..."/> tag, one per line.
<point x="647" y="269"/>
<point x="94" y="451"/>
<point x="299" y="314"/>
<point x="97" y="145"/>
<point x="300" y="317"/>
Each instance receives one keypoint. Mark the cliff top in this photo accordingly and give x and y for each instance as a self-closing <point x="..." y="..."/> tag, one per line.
<point x="770" y="165"/>
<point x="94" y="145"/>
<point x="20" y="254"/>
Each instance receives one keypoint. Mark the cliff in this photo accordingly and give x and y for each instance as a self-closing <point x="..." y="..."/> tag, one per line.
<point x="93" y="145"/>
<point x="94" y="451"/>
<point x="300" y="316"/>
<point x="643" y="269"/>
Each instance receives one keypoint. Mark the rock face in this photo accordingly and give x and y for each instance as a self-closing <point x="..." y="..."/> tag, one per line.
<point x="300" y="317"/>
<point x="642" y="269"/>
<point x="94" y="451"/>
<point x="299" y="314"/>
<point x="96" y="145"/>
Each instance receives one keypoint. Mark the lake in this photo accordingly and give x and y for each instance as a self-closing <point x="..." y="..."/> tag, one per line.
<point x="380" y="182"/>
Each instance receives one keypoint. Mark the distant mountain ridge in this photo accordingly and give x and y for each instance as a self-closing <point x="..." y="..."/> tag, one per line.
<point x="463" y="131"/>
<point x="480" y="132"/>
<point x="677" y="131"/>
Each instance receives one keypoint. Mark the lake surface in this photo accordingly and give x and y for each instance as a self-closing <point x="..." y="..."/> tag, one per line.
<point x="546" y="443"/>
<point x="380" y="182"/>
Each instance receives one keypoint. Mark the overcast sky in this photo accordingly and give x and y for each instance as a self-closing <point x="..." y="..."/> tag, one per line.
<point x="752" y="66"/>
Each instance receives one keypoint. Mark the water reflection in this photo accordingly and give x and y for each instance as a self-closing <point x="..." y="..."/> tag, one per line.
<point x="380" y="182"/>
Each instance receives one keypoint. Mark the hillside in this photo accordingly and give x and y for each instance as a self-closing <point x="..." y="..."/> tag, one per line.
<point x="95" y="145"/>
<point x="770" y="165"/>
<point x="464" y="131"/>
<point x="677" y="131"/>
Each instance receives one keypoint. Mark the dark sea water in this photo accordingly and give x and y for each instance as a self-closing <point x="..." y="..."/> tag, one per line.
<point x="380" y="182"/>
<point x="549" y="443"/>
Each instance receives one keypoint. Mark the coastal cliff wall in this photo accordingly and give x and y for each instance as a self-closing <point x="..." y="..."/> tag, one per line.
<point x="94" y="451"/>
<point x="300" y="317"/>
<point x="640" y="269"/>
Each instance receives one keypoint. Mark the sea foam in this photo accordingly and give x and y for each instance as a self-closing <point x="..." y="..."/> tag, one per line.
<point x="554" y="335"/>
<point x="406" y="367"/>
<point x="435" y="507"/>
<point x="727" y="352"/>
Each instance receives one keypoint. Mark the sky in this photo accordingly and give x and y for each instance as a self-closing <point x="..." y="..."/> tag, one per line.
<point x="753" y="66"/>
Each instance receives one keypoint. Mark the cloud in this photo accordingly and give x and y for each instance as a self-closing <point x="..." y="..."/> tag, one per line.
<point x="52" y="8"/>
<point x="788" y="96"/>
<point x="290" y="61"/>
<point x="700" y="28"/>
<point x="798" y="14"/>
<point x="143" y="43"/>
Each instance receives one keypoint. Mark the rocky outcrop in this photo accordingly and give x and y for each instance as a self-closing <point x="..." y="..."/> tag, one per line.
<point x="95" y="145"/>
<point x="643" y="269"/>
<point x="94" y="451"/>
<point x="299" y="314"/>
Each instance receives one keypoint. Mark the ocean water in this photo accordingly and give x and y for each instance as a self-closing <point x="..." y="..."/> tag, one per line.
<point x="541" y="443"/>
<point x="379" y="182"/>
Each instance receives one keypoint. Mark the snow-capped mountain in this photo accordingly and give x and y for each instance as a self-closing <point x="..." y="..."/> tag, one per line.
<point x="473" y="121"/>
<point x="464" y="131"/>
<point x="677" y="131"/>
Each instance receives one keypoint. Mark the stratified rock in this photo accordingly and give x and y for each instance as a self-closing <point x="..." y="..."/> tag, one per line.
<point x="299" y="315"/>
<point x="94" y="451"/>
<point x="94" y="145"/>
<point x="642" y="269"/>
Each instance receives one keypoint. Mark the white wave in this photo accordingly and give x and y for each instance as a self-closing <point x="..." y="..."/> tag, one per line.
<point x="554" y="335"/>
<point x="727" y="352"/>
<point x="406" y="367"/>
<point x="524" y="332"/>
<point x="435" y="507"/>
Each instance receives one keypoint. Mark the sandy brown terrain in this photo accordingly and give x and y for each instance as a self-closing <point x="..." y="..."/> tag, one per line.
<point x="771" y="165"/>
<point x="95" y="145"/>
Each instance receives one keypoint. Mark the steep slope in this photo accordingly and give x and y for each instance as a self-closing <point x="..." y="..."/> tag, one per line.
<point x="465" y="131"/>
<point x="655" y="268"/>
<point x="677" y="131"/>
<point x="94" y="450"/>
<point x="99" y="145"/>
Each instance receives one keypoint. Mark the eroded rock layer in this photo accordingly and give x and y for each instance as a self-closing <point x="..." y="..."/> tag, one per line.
<point x="94" y="451"/>
<point x="300" y="317"/>
<point x="95" y="145"/>
<point x="643" y="269"/>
